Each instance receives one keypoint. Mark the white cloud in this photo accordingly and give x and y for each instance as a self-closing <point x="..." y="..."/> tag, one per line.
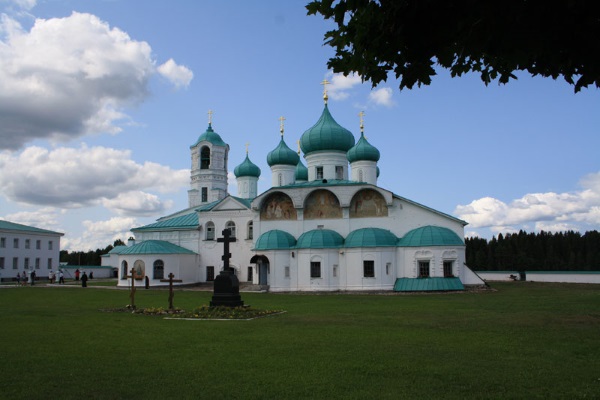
<point x="137" y="203"/>
<point x="179" y="75"/>
<point x="71" y="76"/>
<point x="381" y="97"/>
<point x="44" y="218"/>
<point x="340" y="85"/>
<point x="79" y="177"/>
<point x="19" y="5"/>
<point x="550" y="211"/>
<point x="99" y="234"/>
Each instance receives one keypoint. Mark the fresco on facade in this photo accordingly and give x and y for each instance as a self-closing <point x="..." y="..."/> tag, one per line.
<point x="278" y="206"/>
<point x="322" y="204"/>
<point x="368" y="203"/>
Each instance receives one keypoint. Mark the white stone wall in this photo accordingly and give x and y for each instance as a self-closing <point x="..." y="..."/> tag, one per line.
<point x="31" y="255"/>
<point x="328" y="160"/>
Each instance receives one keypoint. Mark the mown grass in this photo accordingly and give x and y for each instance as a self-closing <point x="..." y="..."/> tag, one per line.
<point x="524" y="340"/>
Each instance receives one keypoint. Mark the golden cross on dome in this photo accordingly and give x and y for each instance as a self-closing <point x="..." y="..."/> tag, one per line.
<point x="298" y="142"/>
<point x="325" y="82"/>
<point x="210" y="113"/>
<point x="362" y="125"/>
<point x="247" y="144"/>
<point x="281" y="119"/>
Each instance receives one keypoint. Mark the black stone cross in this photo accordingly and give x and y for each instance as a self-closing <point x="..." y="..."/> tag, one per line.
<point x="132" y="294"/>
<point x="171" y="280"/>
<point x="226" y="239"/>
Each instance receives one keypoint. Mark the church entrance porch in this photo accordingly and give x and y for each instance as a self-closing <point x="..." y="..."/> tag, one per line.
<point x="262" y="268"/>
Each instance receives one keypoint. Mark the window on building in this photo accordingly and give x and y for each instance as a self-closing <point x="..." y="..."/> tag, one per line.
<point x="49" y="263"/>
<point x="204" y="194"/>
<point x="26" y="262"/>
<point x="335" y="268"/>
<point x="2" y="243"/>
<point x="339" y="172"/>
<point x="210" y="274"/>
<point x="319" y="173"/>
<point x="15" y="262"/>
<point x="231" y="226"/>
<point x="448" y="273"/>
<point x="27" y="243"/>
<point x="38" y="244"/>
<point x="315" y="269"/>
<point x="250" y="233"/>
<point x="37" y="263"/>
<point x="205" y="158"/>
<point x="1" y="262"/>
<point x="369" y="269"/>
<point x="388" y="267"/>
<point x="423" y="269"/>
<point x="50" y="245"/>
<point x="360" y="175"/>
<point x="16" y="243"/>
<point x="286" y="272"/>
<point x="158" y="270"/>
<point x="210" y="231"/>
<point x="250" y="277"/>
<point x="279" y="180"/>
<point x="124" y="270"/>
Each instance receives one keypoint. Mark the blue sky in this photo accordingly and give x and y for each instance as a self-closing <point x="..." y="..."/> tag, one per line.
<point x="100" y="101"/>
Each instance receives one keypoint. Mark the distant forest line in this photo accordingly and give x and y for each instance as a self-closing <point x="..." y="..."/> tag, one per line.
<point x="543" y="251"/>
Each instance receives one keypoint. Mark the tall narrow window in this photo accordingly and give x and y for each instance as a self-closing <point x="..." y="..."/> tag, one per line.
<point x="158" y="270"/>
<point x="279" y="180"/>
<point x="2" y="243"/>
<point x="124" y="270"/>
<point x="369" y="269"/>
<point x="250" y="274"/>
<point x="210" y="231"/>
<point x="315" y="269"/>
<point x="16" y="243"/>
<point x="448" y="273"/>
<point x="15" y="262"/>
<point x="27" y="243"/>
<point x="26" y="262"/>
<point x="231" y="226"/>
<point x="38" y="244"/>
<point x="204" y="194"/>
<point x="360" y="175"/>
<point x="339" y="172"/>
<point x="210" y="274"/>
<point x="423" y="269"/>
<point x="1" y="262"/>
<point x="49" y="263"/>
<point x="205" y="158"/>
<point x="250" y="233"/>
<point x="388" y="267"/>
<point x="50" y="245"/>
<point x="319" y="172"/>
<point x="37" y="263"/>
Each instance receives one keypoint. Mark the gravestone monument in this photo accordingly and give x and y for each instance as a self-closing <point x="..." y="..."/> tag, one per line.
<point x="226" y="290"/>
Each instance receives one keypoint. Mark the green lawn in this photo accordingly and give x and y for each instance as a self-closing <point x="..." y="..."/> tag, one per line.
<point x="524" y="340"/>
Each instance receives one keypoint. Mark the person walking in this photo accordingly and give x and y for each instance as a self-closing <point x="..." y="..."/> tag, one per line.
<point x="84" y="279"/>
<point x="32" y="275"/>
<point x="18" y="279"/>
<point x="61" y="277"/>
<point x="77" y="274"/>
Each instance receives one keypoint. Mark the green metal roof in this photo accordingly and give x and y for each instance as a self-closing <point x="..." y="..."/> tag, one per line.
<point x="430" y="236"/>
<point x="427" y="284"/>
<point x="326" y="135"/>
<point x="117" y="250"/>
<point x="371" y="237"/>
<point x="274" y="240"/>
<point x="155" y="247"/>
<point x="210" y="206"/>
<point x="247" y="168"/>
<point x="12" y="226"/>
<point x="363" y="151"/>
<point x="301" y="172"/>
<point x="320" y="239"/>
<point x="187" y="221"/>
<point x="282" y="155"/>
<point x="210" y="136"/>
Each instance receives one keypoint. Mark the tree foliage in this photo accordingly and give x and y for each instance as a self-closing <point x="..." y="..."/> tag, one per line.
<point x="544" y="251"/>
<point x="88" y="258"/>
<point x="495" y="39"/>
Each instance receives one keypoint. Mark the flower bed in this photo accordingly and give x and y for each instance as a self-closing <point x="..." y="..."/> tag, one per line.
<point x="201" y="312"/>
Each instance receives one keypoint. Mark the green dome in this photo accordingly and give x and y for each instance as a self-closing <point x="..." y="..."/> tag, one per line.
<point x="282" y="155"/>
<point x="301" y="172"/>
<point x="320" y="239"/>
<point x="371" y="237"/>
<point x="363" y="151"/>
<point x="326" y="135"/>
<point x="210" y="136"/>
<point x="246" y="168"/>
<point x="274" y="240"/>
<point x="431" y="236"/>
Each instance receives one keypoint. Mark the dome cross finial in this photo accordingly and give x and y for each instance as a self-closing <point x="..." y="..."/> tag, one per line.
<point x="281" y="119"/>
<point x="325" y="82"/>
<point x="210" y="113"/>
<point x="247" y="144"/>
<point x="362" y="121"/>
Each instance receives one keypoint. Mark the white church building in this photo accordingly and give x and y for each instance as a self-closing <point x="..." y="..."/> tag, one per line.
<point x="322" y="226"/>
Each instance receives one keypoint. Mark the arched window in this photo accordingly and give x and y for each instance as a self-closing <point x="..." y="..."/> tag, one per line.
<point x="250" y="230"/>
<point x="124" y="270"/>
<point x="158" y="270"/>
<point x="360" y="175"/>
<point x="231" y="226"/>
<point x="210" y="231"/>
<point x="205" y="158"/>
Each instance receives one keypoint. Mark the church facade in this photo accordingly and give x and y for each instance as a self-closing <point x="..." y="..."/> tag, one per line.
<point x="322" y="226"/>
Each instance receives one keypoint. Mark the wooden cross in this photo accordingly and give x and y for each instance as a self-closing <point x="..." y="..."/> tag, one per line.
<point x="132" y="293"/>
<point x="226" y="239"/>
<point x="210" y="113"/>
<point x="171" y="280"/>
<point x="325" y="83"/>
<point x="281" y="119"/>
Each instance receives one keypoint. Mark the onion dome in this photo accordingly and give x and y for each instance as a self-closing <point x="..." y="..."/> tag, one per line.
<point x="326" y="135"/>
<point x="301" y="172"/>
<point x="282" y="155"/>
<point x="246" y="168"/>
<point x="210" y="136"/>
<point x="363" y="151"/>
<point x="431" y="236"/>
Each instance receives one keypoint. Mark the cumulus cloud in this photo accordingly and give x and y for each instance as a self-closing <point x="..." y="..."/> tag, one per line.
<point x="71" y="76"/>
<point x="44" y="218"/>
<point x="137" y="203"/>
<point x="543" y="211"/>
<point x="99" y="234"/>
<point x="78" y="177"/>
<point x="381" y="97"/>
<point x="341" y="85"/>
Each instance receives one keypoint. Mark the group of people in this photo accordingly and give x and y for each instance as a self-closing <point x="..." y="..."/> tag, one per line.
<point x="26" y="277"/>
<point x="58" y="275"/>
<point x="53" y="277"/>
